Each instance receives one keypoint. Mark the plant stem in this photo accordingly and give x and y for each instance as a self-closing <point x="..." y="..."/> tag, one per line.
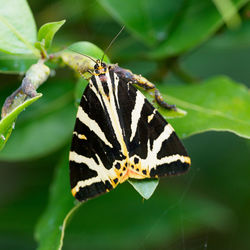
<point x="182" y="74"/>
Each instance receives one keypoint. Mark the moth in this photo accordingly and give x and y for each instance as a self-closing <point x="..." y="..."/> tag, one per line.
<point x="119" y="135"/>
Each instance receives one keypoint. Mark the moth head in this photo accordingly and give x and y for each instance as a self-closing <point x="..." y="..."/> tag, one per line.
<point x="100" y="68"/>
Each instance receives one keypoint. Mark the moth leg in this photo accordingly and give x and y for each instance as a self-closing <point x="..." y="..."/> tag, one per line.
<point x="144" y="83"/>
<point x="84" y="77"/>
<point x="162" y="103"/>
<point x="148" y="86"/>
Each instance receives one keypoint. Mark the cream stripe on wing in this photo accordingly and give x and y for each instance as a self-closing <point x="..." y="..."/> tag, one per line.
<point x="116" y="83"/>
<point x="172" y="158"/>
<point x="168" y="130"/>
<point x="151" y="161"/>
<point x="136" y="113"/>
<point x="93" y="88"/>
<point x="85" y="183"/>
<point x="93" y="125"/>
<point x="109" y="102"/>
<point x="103" y="172"/>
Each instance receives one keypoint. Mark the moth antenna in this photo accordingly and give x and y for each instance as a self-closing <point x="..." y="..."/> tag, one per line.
<point x="106" y="50"/>
<point x="95" y="61"/>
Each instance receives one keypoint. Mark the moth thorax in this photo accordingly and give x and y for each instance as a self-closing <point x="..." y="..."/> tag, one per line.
<point x="103" y="78"/>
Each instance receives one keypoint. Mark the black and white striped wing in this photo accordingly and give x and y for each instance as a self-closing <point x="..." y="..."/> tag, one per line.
<point x="153" y="146"/>
<point x="119" y="135"/>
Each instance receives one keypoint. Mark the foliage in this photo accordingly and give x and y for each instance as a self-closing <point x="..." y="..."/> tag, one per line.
<point x="8" y="122"/>
<point x="158" y="41"/>
<point x="46" y="33"/>
<point x="16" y="37"/>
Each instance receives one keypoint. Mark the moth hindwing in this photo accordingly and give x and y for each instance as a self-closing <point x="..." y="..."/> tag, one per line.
<point x="118" y="135"/>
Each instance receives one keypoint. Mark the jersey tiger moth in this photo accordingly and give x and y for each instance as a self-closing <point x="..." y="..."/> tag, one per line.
<point x="118" y="135"/>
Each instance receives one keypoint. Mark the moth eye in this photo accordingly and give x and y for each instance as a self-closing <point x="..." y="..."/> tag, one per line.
<point x="103" y="65"/>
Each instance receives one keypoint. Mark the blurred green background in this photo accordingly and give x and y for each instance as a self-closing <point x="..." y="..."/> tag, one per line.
<point x="208" y="208"/>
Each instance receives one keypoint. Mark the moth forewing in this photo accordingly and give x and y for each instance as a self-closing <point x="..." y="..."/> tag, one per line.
<point x="118" y="135"/>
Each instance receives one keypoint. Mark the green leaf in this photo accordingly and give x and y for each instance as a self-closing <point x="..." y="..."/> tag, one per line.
<point x="17" y="28"/>
<point x="16" y="64"/>
<point x="45" y="127"/>
<point x="6" y="124"/>
<point x="199" y="21"/>
<point x="47" y="31"/>
<point x="80" y="86"/>
<point x="155" y="222"/>
<point x="89" y="49"/>
<point x="50" y="229"/>
<point x="171" y="28"/>
<point x="228" y="12"/>
<point x="144" y="187"/>
<point x="218" y="104"/>
<point x="149" y="20"/>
